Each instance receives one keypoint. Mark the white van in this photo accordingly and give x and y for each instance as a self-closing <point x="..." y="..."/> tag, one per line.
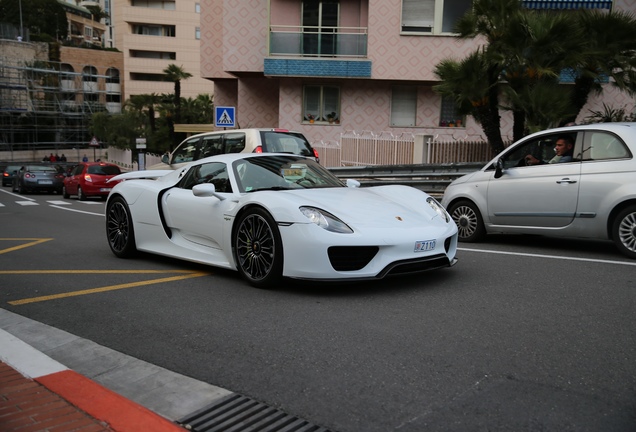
<point x="237" y="141"/>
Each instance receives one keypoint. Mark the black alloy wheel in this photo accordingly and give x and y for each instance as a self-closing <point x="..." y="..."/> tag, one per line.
<point x="258" y="248"/>
<point x="119" y="228"/>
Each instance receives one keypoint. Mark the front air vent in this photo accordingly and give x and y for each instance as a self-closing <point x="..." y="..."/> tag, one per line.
<point x="351" y="258"/>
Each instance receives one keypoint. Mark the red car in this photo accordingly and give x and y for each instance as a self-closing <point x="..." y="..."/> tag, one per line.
<point x="89" y="179"/>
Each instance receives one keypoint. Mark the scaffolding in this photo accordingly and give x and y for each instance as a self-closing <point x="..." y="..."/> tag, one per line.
<point x="45" y="106"/>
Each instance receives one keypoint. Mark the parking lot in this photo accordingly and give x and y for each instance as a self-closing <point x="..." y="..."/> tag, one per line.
<point x="524" y="333"/>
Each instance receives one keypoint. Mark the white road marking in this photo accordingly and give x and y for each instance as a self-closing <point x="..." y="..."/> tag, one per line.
<point x="628" y="263"/>
<point x="59" y="202"/>
<point x="77" y="211"/>
<point x="26" y="203"/>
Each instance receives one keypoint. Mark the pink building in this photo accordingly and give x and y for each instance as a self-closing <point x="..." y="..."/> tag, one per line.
<point x="330" y="66"/>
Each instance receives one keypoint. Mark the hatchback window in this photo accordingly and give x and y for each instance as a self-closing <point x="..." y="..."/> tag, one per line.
<point x="187" y="152"/>
<point x="286" y="142"/>
<point x="234" y="142"/>
<point x="104" y="169"/>
<point x="602" y="146"/>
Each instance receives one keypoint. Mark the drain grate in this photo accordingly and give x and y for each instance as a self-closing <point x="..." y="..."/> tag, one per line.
<point x="236" y="413"/>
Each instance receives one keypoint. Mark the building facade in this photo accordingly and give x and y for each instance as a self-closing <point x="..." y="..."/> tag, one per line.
<point x="329" y="66"/>
<point x="153" y="34"/>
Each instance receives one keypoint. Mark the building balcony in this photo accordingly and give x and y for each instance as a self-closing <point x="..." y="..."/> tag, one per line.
<point x="318" y="41"/>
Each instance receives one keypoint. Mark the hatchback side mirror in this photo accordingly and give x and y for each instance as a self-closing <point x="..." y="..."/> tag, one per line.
<point x="166" y="158"/>
<point x="499" y="168"/>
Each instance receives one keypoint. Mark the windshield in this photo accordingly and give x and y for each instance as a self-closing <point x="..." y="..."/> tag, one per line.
<point x="282" y="173"/>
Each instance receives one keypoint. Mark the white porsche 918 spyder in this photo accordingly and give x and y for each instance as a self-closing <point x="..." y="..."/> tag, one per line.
<point x="271" y="216"/>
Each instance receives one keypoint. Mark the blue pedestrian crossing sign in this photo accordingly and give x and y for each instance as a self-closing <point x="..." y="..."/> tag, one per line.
<point x="224" y="116"/>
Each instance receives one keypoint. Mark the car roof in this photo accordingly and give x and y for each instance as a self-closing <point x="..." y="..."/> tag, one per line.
<point x="281" y="130"/>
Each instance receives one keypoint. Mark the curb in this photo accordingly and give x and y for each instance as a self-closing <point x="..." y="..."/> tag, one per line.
<point x="122" y="414"/>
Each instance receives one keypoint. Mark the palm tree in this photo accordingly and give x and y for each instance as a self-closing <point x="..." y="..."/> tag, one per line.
<point x="175" y="74"/>
<point x="474" y="85"/>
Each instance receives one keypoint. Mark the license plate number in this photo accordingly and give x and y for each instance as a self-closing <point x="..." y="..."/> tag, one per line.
<point x="426" y="245"/>
<point x="105" y="189"/>
<point x="45" y="182"/>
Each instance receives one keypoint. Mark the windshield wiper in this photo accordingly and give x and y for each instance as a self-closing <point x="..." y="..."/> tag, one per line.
<point x="272" y="188"/>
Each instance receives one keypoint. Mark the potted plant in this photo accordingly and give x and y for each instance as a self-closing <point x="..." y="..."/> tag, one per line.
<point x="331" y="117"/>
<point x="310" y="117"/>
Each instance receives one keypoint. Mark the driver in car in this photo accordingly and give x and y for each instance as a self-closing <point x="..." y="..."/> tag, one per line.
<point x="563" y="148"/>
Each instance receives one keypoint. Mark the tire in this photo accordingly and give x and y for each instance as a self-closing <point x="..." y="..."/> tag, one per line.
<point x="469" y="222"/>
<point x="119" y="228"/>
<point x="258" y="249"/>
<point x="624" y="231"/>
<point x="80" y="194"/>
<point x="65" y="193"/>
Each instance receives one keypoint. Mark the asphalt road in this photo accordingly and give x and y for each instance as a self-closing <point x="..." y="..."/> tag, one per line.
<point x="524" y="333"/>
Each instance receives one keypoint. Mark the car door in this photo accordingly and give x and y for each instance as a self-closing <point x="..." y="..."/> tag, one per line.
<point x="543" y="195"/>
<point x="199" y="220"/>
<point x="72" y="181"/>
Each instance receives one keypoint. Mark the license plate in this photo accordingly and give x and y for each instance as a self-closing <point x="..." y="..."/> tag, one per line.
<point x="105" y="189"/>
<point x="45" y="182"/>
<point x="426" y="245"/>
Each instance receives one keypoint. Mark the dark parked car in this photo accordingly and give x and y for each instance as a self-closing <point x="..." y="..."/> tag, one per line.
<point x="37" y="178"/>
<point x="8" y="174"/>
<point x="89" y="179"/>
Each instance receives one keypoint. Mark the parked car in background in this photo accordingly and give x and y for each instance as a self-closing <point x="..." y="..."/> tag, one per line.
<point x="524" y="190"/>
<point x="237" y="141"/>
<point x="90" y="179"/>
<point x="8" y="173"/>
<point x="38" y="178"/>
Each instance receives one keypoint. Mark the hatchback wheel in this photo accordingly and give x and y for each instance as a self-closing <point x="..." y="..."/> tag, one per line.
<point x="119" y="228"/>
<point x="80" y="194"/>
<point x="470" y="224"/>
<point x="65" y="193"/>
<point x="624" y="231"/>
<point x="258" y="249"/>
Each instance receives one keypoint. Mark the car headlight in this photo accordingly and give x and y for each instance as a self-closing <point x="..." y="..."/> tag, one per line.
<point x="438" y="208"/>
<point x="325" y="220"/>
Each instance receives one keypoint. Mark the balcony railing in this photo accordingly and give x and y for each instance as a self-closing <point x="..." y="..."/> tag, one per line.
<point x="306" y="41"/>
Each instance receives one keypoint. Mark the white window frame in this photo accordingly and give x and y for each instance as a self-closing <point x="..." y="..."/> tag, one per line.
<point x="403" y="106"/>
<point x="427" y="16"/>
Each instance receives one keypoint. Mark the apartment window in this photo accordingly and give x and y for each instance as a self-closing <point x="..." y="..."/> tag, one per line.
<point x="197" y="8"/>
<point x="162" y="55"/>
<point x="321" y="104"/>
<point x="136" y="76"/>
<point x="320" y="23"/>
<point x="449" y="117"/>
<point x="155" y="4"/>
<point x="432" y="16"/>
<point x="154" y="30"/>
<point x="88" y="32"/>
<point x="197" y="33"/>
<point x="403" y="106"/>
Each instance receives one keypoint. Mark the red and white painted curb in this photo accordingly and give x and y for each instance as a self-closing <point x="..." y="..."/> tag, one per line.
<point x="123" y="415"/>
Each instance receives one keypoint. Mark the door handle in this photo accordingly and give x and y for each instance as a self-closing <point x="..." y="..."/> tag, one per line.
<point x="566" y="181"/>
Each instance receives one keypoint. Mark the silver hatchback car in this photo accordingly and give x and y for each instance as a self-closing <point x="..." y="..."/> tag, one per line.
<point x="587" y="191"/>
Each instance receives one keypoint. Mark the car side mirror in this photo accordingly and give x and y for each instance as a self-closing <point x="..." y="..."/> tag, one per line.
<point x="206" y="190"/>
<point x="353" y="183"/>
<point x="499" y="168"/>
<point x="166" y="158"/>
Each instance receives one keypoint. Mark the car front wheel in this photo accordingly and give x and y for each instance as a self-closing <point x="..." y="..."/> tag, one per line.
<point x="119" y="228"/>
<point x="258" y="249"/>
<point x="65" y="193"/>
<point x="470" y="224"/>
<point x="624" y="231"/>
<point x="80" y="194"/>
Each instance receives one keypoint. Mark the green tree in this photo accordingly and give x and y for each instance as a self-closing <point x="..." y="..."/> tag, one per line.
<point x="41" y="17"/>
<point x="525" y="53"/>
<point x="176" y="74"/>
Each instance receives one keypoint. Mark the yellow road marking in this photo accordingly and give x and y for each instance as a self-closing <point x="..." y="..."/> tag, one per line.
<point x="106" y="288"/>
<point x="92" y="271"/>
<point x="32" y="242"/>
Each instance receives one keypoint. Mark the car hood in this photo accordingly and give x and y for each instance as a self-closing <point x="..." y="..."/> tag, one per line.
<point x="374" y="207"/>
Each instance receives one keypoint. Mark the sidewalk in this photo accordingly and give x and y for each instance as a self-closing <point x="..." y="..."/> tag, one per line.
<point x="53" y="381"/>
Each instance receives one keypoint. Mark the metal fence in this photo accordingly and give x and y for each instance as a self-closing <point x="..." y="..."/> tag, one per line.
<point x="370" y="149"/>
